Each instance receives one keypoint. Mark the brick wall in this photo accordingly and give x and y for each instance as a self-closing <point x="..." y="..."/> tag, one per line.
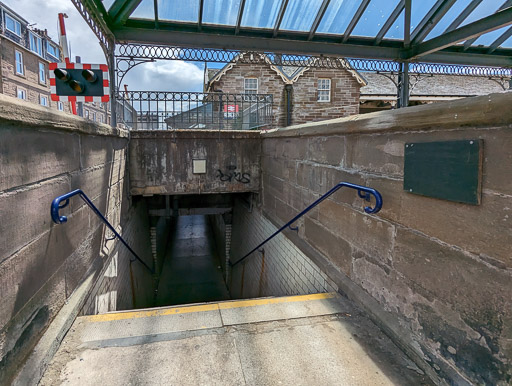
<point x="344" y="99"/>
<point x="436" y="275"/>
<point x="44" y="154"/>
<point x="281" y="269"/>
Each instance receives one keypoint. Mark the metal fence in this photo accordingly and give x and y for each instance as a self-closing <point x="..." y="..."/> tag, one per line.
<point x="158" y="110"/>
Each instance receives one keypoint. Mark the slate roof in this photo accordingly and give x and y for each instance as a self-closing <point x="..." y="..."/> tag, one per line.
<point x="435" y="85"/>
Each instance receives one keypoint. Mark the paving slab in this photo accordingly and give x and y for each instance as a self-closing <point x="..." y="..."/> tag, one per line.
<point x="151" y="322"/>
<point x="288" y="307"/>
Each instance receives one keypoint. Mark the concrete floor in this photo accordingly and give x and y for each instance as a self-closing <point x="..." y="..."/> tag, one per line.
<point x="191" y="272"/>
<point x="318" y="339"/>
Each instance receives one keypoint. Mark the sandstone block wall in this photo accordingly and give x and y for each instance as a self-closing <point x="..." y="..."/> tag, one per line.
<point x="344" y="98"/>
<point x="436" y="275"/>
<point x="281" y="268"/>
<point x="161" y="162"/>
<point x="44" y="154"/>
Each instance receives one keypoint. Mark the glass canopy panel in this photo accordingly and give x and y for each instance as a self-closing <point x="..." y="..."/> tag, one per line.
<point x="374" y="18"/>
<point x="507" y="43"/>
<point x="418" y="11"/>
<point x="300" y="14"/>
<point x="223" y="12"/>
<point x="397" y="29"/>
<point x="177" y="10"/>
<point x="145" y="10"/>
<point x="489" y="38"/>
<point x="261" y="13"/>
<point x="338" y="15"/>
<point x="107" y="3"/>
<point x="448" y="18"/>
<point x="486" y="8"/>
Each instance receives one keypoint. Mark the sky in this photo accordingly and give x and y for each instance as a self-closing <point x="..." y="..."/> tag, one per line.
<point x="176" y="75"/>
<point x="173" y="74"/>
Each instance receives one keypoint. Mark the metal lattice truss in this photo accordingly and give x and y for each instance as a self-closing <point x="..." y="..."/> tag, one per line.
<point x="302" y="27"/>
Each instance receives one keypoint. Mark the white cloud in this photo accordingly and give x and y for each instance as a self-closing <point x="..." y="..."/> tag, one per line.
<point x="170" y="75"/>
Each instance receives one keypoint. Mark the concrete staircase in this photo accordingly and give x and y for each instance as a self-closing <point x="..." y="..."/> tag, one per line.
<point x="317" y="339"/>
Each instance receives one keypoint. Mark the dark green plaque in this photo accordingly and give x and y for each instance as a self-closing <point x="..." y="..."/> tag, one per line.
<point x="449" y="170"/>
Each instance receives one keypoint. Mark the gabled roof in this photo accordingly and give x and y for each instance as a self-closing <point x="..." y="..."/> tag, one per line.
<point x="288" y="73"/>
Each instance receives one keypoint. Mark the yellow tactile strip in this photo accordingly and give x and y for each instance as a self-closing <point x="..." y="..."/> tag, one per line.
<point x="205" y="307"/>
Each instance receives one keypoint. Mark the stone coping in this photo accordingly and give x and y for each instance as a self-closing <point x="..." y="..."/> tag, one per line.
<point x="486" y="110"/>
<point x="195" y="134"/>
<point x="23" y="113"/>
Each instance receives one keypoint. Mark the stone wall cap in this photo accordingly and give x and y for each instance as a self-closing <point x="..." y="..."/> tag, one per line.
<point x="486" y="110"/>
<point x="23" y="113"/>
<point x="191" y="133"/>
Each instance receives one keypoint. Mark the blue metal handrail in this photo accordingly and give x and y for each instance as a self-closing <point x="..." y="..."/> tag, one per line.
<point x="362" y="191"/>
<point x="57" y="219"/>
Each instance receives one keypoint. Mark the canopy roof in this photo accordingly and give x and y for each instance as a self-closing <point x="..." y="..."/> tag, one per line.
<point x="477" y="32"/>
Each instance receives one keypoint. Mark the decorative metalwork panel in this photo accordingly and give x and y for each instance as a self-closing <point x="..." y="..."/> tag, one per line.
<point x="449" y="170"/>
<point x="155" y="52"/>
<point x="158" y="110"/>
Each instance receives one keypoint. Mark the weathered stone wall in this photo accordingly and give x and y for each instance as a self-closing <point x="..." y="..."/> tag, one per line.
<point x="435" y="274"/>
<point x="161" y="162"/>
<point x="44" y="154"/>
<point x="304" y="107"/>
<point x="280" y="268"/>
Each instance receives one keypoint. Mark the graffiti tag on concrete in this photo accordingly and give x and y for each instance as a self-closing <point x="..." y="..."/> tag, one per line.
<point x="233" y="176"/>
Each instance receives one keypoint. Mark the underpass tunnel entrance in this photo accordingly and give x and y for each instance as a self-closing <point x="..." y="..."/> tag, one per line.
<point x="192" y="271"/>
<point x="191" y="239"/>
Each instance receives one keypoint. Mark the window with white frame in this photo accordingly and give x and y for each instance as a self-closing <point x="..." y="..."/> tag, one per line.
<point x="43" y="100"/>
<point x="94" y="116"/>
<point x="60" y="106"/>
<point x="86" y="112"/>
<point x="19" y="62"/>
<point x="52" y="49"/>
<point x="22" y="93"/>
<point x="36" y="44"/>
<point x="324" y="90"/>
<point x="251" y="85"/>
<point x="13" y="25"/>
<point x="42" y="73"/>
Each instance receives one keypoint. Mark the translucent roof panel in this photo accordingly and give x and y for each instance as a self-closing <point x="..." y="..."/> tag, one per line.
<point x="418" y="11"/>
<point x="448" y="18"/>
<point x="338" y="15"/>
<point x="107" y="3"/>
<point x="507" y="43"/>
<point x="486" y="8"/>
<point x="220" y="11"/>
<point x="261" y="13"/>
<point x="374" y="18"/>
<point x="489" y="38"/>
<point x="145" y="10"/>
<point x="397" y="29"/>
<point x="300" y="14"/>
<point x="177" y="10"/>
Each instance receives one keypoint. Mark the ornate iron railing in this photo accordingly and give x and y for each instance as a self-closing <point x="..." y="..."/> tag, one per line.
<point x="63" y="201"/>
<point x="362" y="191"/>
<point x="162" y="110"/>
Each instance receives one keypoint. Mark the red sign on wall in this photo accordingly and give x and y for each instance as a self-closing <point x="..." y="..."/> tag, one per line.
<point x="231" y="111"/>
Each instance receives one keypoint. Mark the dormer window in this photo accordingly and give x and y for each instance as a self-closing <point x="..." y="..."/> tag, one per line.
<point x="13" y="25"/>
<point x="52" y="49"/>
<point x="36" y="44"/>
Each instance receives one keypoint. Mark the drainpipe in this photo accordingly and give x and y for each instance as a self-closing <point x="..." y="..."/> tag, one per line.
<point x="288" y="96"/>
